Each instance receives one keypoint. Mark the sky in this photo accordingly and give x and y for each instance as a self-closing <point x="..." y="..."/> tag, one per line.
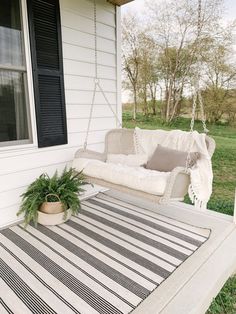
<point x="230" y="9"/>
<point x="138" y="5"/>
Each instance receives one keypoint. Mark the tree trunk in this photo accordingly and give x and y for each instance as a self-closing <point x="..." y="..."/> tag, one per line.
<point x="153" y="91"/>
<point x="145" y="101"/>
<point x="154" y="107"/>
<point x="168" y="104"/>
<point x="135" y="105"/>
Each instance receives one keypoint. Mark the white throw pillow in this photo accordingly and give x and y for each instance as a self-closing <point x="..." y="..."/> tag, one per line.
<point x="133" y="160"/>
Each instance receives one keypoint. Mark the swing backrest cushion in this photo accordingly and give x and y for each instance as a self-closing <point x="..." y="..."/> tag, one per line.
<point x="165" y="159"/>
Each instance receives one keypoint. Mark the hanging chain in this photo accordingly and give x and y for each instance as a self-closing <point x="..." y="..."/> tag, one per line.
<point x="96" y="80"/>
<point x="90" y="116"/>
<point x="199" y="18"/>
<point x="197" y="97"/>
<point x="95" y="39"/>
<point x="202" y="112"/>
<point x="197" y="94"/>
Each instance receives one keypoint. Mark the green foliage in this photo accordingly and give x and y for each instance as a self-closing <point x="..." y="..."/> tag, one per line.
<point x="66" y="186"/>
<point x="225" y="302"/>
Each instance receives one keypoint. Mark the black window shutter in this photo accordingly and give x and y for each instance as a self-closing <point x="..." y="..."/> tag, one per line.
<point x="47" y="64"/>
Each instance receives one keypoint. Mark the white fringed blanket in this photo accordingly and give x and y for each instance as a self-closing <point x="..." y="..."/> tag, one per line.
<point x="201" y="174"/>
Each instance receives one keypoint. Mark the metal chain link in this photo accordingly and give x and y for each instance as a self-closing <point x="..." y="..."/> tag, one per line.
<point x="199" y="18"/>
<point x="197" y="97"/>
<point x="203" y="117"/>
<point x="95" y="39"/>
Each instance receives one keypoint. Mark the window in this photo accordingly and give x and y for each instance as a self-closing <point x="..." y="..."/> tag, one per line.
<point x="14" y="111"/>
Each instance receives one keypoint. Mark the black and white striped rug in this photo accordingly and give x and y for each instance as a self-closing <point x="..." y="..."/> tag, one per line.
<point x="106" y="260"/>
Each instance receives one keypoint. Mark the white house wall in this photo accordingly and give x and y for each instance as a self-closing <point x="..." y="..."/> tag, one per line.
<point x="19" y="166"/>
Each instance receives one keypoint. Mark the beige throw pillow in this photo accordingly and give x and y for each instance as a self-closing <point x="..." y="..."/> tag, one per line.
<point x="166" y="159"/>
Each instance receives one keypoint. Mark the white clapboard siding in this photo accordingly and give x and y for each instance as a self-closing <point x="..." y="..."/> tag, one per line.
<point x="81" y="111"/>
<point x="79" y="125"/>
<point x="87" y="55"/>
<point x="27" y="176"/>
<point x="8" y="198"/>
<point x="106" y="45"/>
<point x="75" y="37"/>
<point x="105" y="31"/>
<point x="35" y="160"/>
<point x="85" y="9"/>
<point x="86" y="25"/>
<point x="95" y="137"/>
<point x="97" y="147"/>
<point x="79" y="97"/>
<point x="88" y="69"/>
<point x="18" y="168"/>
<point x="8" y="215"/>
<point x="83" y="83"/>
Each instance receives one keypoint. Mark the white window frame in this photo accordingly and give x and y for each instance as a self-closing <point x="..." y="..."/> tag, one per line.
<point x="29" y="91"/>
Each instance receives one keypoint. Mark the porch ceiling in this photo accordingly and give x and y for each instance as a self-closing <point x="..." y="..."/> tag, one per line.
<point x="119" y="2"/>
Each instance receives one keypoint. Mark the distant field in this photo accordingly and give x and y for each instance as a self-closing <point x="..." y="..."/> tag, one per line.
<point x="224" y="184"/>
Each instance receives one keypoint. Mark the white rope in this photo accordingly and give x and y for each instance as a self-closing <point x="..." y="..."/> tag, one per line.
<point x="110" y="106"/>
<point x="97" y="85"/>
<point x="90" y="116"/>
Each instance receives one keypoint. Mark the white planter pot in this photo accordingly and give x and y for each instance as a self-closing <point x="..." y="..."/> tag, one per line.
<point x="53" y="219"/>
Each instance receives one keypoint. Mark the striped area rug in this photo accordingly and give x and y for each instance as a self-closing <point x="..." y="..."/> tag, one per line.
<point x="106" y="260"/>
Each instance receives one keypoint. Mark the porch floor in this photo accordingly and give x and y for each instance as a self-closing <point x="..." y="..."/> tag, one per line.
<point x="191" y="287"/>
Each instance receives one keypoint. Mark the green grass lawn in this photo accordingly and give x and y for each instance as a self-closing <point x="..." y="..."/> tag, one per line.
<point x="224" y="184"/>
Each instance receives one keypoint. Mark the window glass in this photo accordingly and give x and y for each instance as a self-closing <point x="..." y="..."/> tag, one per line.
<point x="13" y="115"/>
<point x="13" y="76"/>
<point x="11" y="51"/>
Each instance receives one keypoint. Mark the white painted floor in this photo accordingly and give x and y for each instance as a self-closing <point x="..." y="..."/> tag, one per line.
<point x="191" y="288"/>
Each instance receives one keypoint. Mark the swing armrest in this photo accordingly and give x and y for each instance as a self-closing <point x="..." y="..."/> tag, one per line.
<point x="90" y="154"/>
<point x="177" y="184"/>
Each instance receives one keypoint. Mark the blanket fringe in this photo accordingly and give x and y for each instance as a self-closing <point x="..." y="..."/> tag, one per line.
<point x="199" y="204"/>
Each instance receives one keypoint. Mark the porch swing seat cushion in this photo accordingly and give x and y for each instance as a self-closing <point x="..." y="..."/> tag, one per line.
<point x="136" y="178"/>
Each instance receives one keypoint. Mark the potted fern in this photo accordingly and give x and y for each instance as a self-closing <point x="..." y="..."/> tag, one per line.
<point x="51" y="201"/>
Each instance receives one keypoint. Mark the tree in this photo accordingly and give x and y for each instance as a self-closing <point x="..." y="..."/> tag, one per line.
<point x="177" y="47"/>
<point x="180" y="34"/>
<point x="140" y="57"/>
<point x="130" y="56"/>
<point x="220" y="71"/>
<point x="148" y="74"/>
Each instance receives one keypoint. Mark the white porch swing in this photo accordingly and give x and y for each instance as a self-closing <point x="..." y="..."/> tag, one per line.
<point x="125" y="148"/>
